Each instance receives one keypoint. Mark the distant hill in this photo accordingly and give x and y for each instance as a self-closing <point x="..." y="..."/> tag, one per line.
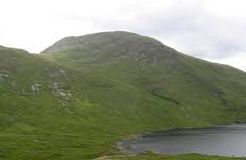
<point x="82" y="94"/>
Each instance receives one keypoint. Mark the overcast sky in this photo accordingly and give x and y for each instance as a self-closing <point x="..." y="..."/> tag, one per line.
<point x="214" y="30"/>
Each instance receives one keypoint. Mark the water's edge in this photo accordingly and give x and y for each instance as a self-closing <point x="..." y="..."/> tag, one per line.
<point x="141" y="139"/>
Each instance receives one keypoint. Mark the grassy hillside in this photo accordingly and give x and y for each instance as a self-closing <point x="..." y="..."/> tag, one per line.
<point x="82" y="94"/>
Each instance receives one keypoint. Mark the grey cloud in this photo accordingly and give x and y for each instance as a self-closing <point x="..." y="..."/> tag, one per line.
<point x="199" y="33"/>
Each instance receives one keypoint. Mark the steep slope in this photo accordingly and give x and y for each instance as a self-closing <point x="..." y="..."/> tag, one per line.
<point x="157" y="69"/>
<point x="82" y="94"/>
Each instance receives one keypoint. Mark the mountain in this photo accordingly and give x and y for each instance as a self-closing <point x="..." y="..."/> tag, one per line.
<point x="82" y="94"/>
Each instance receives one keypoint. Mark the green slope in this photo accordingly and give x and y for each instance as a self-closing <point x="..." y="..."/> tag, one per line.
<point x="82" y="94"/>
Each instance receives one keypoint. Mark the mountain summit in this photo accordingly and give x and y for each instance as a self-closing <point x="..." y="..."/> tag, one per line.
<point x="117" y="44"/>
<point x="125" y="41"/>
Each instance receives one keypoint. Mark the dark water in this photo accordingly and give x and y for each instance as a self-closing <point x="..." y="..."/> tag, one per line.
<point x="223" y="141"/>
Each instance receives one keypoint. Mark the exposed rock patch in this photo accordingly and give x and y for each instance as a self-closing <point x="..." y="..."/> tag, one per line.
<point x="35" y="87"/>
<point x="58" y="91"/>
<point x="4" y="74"/>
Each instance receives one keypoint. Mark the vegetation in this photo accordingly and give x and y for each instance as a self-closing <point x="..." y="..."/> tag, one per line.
<point x="81" y="95"/>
